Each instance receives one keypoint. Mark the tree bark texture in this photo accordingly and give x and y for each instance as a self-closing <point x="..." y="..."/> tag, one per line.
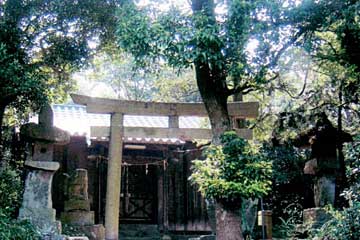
<point x="228" y="222"/>
<point x="212" y="81"/>
<point x="215" y="101"/>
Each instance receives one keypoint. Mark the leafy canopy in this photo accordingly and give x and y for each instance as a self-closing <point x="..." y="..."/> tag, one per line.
<point x="42" y="42"/>
<point x="220" y="40"/>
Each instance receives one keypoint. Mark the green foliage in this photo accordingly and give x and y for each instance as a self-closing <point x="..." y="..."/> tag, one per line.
<point x="16" y="230"/>
<point x="291" y="218"/>
<point x="218" y="41"/>
<point x="343" y="225"/>
<point x="21" y="84"/>
<point x="10" y="191"/>
<point x="42" y="42"/>
<point x="341" y="20"/>
<point x="288" y="190"/>
<point x="288" y="162"/>
<point x="352" y="160"/>
<point x="117" y="73"/>
<point x="232" y="171"/>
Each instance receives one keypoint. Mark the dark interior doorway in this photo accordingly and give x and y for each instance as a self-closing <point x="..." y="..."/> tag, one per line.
<point x="138" y="199"/>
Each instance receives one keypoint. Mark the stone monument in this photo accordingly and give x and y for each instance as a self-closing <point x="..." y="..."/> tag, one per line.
<point x="324" y="165"/>
<point x="37" y="201"/>
<point x="77" y="208"/>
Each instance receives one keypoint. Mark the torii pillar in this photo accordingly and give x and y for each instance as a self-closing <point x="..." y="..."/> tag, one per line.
<point x="113" y="184"/>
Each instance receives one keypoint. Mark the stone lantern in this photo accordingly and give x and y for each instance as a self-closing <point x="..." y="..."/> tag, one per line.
<point x="37" y="201"/>
<point x="324" y="166"/>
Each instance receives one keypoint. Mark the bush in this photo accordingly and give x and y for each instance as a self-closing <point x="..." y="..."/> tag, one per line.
<point x="352" y="158"/>
<point x="10" y="191"/>
<point x="287" y="224"/>
<point x="344" y="225"/>
<point x="16" y="230"/>
<point x="232" y="171"/>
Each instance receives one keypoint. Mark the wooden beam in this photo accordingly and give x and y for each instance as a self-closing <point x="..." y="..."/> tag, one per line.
<point x="108" y="106"/>
<point x="180" y="133"/>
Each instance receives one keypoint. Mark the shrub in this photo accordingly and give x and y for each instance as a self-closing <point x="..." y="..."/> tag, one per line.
<point x="344" y="225"/>
<point x="16" y="230"/>
<point x="352" y="158"/>
<point x="10" y="191"/>
<point x="232" y="171"/>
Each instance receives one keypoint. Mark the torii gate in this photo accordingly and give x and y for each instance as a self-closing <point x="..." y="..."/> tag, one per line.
<point x="118" y="108"/>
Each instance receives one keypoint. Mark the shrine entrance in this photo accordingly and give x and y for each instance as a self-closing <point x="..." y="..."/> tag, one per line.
<point x="138" y="198"/>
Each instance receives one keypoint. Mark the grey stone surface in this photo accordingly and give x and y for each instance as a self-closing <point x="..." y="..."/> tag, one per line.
<point x="46" y="116"/>
<point x="37" y="202"/>
<point x="208" y="237"/>
<point x="315" y="217"/>
<point x="42" y="218"/>
<point x="35" y="132"/>
<point x="78" y="218"/>
<point x="77" y="208"/>
<point x="204" y="237"/>
<point x="45" y="165"/>
<point x="37" y="192"/>
<point x="324" y="191"/>
<point x="210" y="207"/>
<point x="249" y="211"/>
<point x="311" y="167"/>
<point x="39" y="214"/>
<point x="78" y="186"/>
<point x="76" y="204"/>
<point x="165" y="237"/>
<point x="45" y="131"/>
<point x="94" y="232"/>
<point x="77" y="238"/>
<point x="139" y="231"/>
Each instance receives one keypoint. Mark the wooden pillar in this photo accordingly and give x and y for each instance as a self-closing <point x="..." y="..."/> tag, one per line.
<point x="114" y="178"/>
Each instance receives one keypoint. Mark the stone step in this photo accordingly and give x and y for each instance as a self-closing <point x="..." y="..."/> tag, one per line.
<point x="139" y="231"/>
<point x="139" y="226"/>
<point x="139" y="238"/>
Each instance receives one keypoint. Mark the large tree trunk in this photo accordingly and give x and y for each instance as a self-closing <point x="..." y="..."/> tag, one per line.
<point x="228" y="221"/>
<point x="214" y="92"/>
<point x="211" y="82"/>
<point x="214" y="97"/>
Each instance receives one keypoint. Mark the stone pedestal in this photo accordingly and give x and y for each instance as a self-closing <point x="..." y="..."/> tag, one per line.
<point x="37" y="202"/>
<point x="77" y="208"/>
<point x="210" y="208"/>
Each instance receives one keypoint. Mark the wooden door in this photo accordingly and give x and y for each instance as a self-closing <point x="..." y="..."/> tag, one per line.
<point x="138" y="200"/>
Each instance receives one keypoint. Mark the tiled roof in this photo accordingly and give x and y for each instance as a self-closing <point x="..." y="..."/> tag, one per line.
<point x="74" y="119"/>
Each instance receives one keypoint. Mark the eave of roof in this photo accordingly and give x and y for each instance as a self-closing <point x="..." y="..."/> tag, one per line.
<point x="74" y="119"/>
